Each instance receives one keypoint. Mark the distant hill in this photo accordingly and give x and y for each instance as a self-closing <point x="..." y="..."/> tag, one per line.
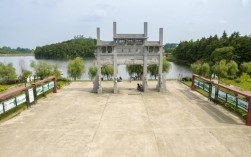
<point x="8" y="50"/>
<point x="79" y="46"/>
<point x="170" y="46"/>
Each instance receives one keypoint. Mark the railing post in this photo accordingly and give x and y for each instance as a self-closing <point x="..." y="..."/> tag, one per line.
<point x="193" y="86"/>
<point x="248" y="121"/>
<point x="55" y="85"/>
<point x="34" y="86"/>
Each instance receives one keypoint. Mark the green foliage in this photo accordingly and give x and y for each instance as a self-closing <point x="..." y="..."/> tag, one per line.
<point x="7" y="72"/>
<point x="205" y="70"/>
<point x="153" y="70"/>
<point x="166" y="65"/>
<point x="242" y="85"/>
<point x="201" y="69"/>
<point x="235" y="46"/>
<point x="135" y="70"/>
<point x="246" y="67"/>
<point x="170" y="47"/>
<point x="220" y="69"/>
<point x="243" y="78"/>
<point x="4" y="87"/>
<point x="55" y="71"/>
<point x="77" y="47"/>
<point x="92" y="72"/>
<point x="222" y="53"/>
<point x="13" y="112"/>
<point x="76" y="68"/>
<point x="60" y="84"/>
<point x="65" y="80"/>
<point x="107" y="70"/>
<point x="44" y="69"/>
<point x="188" y="83"/>
<point x="8" y="50"/>
<point x="195" y="67"/>
<point x="25" y="74"/>
<point x="232" y="68"/>
<point x="230" y="107"/>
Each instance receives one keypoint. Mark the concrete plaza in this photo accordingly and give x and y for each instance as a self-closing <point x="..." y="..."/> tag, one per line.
<point x="77" y="123"/>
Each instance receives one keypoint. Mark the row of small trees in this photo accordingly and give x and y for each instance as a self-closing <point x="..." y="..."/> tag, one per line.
<point x="135" y="71"/>
<point x="42" y="70"/>
<point x="75" y="69"/>
<point x="223" y="69"/>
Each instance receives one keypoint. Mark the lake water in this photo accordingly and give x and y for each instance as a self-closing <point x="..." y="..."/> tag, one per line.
<point x="16" y="60"/>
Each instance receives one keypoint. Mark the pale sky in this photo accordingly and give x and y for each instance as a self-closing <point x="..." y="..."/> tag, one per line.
<point x="31" y="23"/>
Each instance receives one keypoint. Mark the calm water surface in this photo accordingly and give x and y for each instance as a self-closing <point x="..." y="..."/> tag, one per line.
<point x="17" y="60"/>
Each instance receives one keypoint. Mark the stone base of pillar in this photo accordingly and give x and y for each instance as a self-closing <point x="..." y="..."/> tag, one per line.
<point x="99" y="91"/>
<point x="116" y="90"/>
<point x="145" y="84"/>
<point x="161" y="86"/>
<point x="115" y="87"/>
<point x="97" y="85"/>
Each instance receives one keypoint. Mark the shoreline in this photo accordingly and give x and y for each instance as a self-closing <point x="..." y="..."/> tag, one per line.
<point x="24" y="54"/>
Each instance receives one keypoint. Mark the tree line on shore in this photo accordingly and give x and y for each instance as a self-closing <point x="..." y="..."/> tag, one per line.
<point x="212" y="49"/>
<point x="79" y="46"/>
<point x="18" y="50"/>
<point x="226" y="56"/>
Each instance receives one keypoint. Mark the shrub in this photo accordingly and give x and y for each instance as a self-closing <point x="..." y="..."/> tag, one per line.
<point x="64" y="80"/>
<point x="60" y="84"/>
<point x="186" y="79"/>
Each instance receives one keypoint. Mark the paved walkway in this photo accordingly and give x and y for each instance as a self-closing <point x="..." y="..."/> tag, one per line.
<point x="77" y="123"/>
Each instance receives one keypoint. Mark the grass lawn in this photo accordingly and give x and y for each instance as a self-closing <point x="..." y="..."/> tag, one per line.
<point x="242" y="85"/>
<point x="6" y="87"/>
<point x="188" y="83"/>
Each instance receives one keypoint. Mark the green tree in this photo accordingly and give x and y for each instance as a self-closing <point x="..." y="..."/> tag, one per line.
<point x="43" y="70"/>
<point x="233" y="47"/>
<point x="205" y="70"/>
<point x="153" y="70"/>
<point x="246" y="67"/>
<point x="232" y="68"/>
<point x="76" y="68"/>
<point x="19" y="50"/>
<point x="24" y="72"/>
<point x="92" y="72"/>
<point x="195" y="67"/>
<point x="79" y="46"/>
<point x="7" y="72"/>
<point x="55" y="71"/>
<point x="220" y="69"/>
<point x="201" y="69"/>
<point x="135" y="70"/>
<point x="107" y="70"/>
<point x="243" y="78"/>
<point x="223" y="53"/>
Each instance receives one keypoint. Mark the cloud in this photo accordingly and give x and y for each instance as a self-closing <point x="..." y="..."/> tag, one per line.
<point x="245" y="3"/>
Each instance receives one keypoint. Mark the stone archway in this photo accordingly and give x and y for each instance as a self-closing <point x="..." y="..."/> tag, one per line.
<point x="129" y="49"/>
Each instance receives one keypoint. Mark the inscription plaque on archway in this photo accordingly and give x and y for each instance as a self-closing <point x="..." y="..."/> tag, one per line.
<point x="129" y="49"/>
